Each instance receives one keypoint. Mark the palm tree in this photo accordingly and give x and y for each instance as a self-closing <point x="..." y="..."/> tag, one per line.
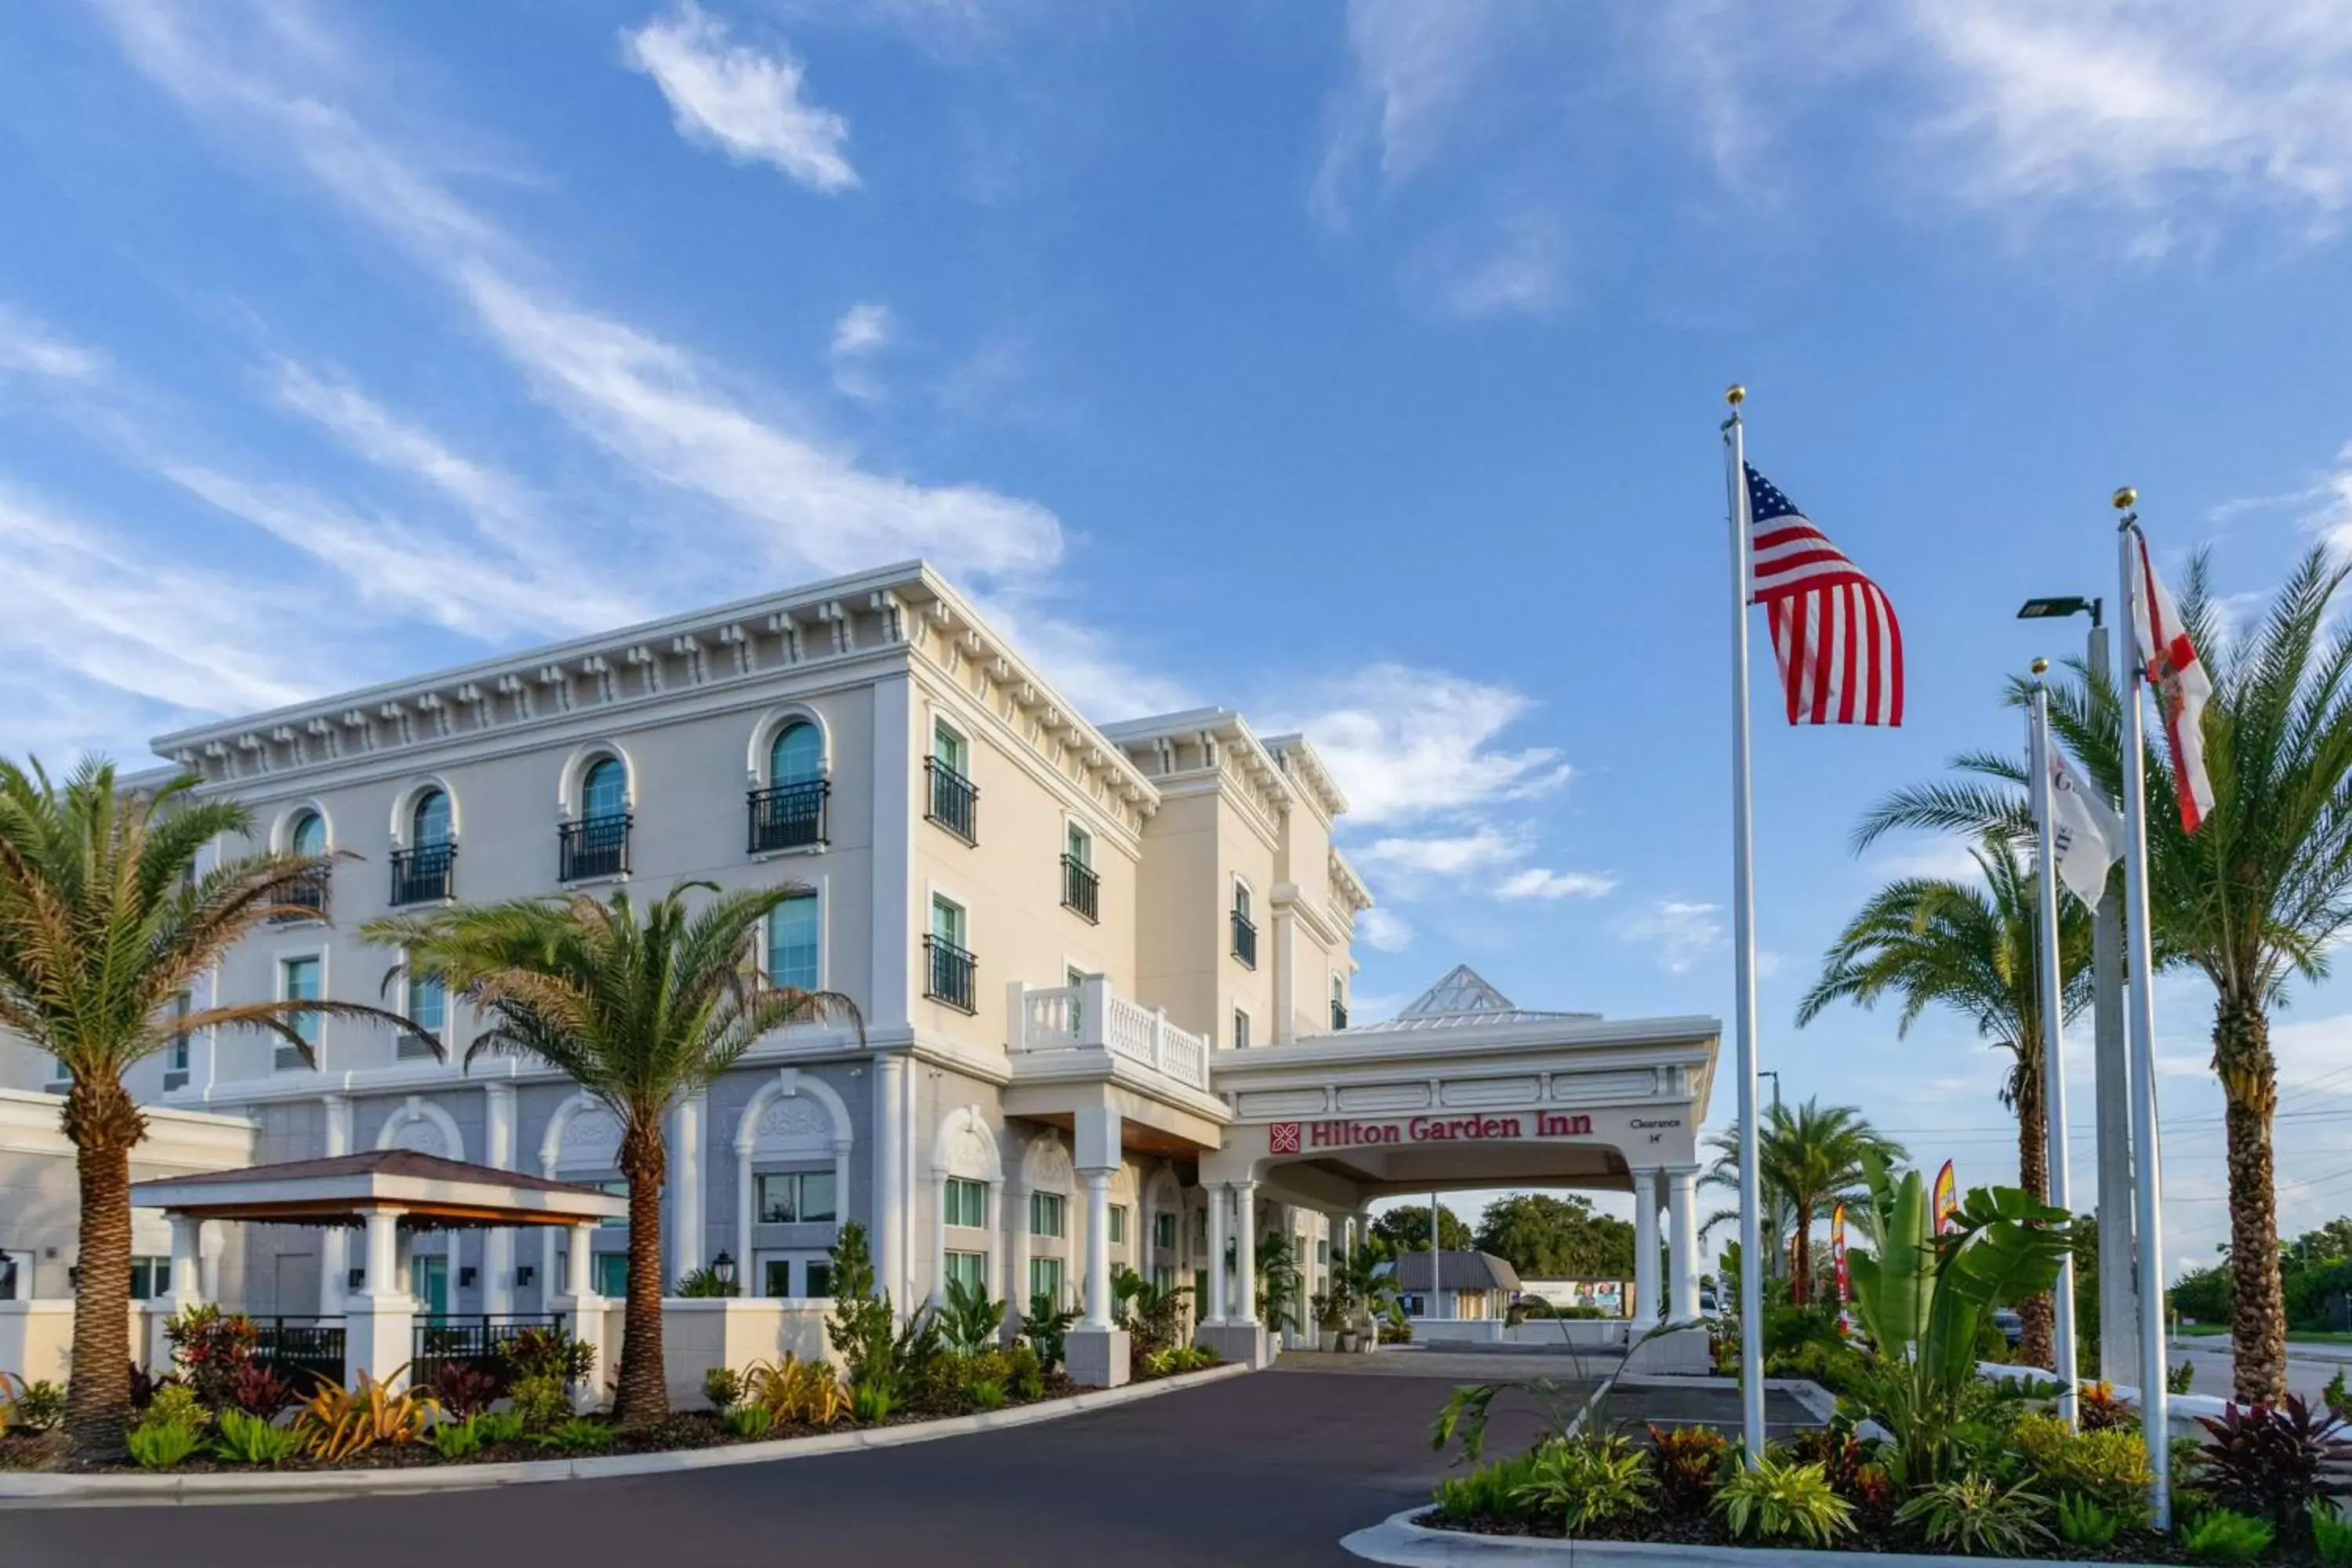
<point x="1973" y="949"/>
<point x="640" y="1014"/>
<point x="1811" y="1159"/>
<point x="2254" y="899"/>
<point x="105" y="923"/>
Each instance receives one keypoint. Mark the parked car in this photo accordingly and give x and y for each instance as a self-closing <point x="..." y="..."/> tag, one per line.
<point x="2011" y="1326"/>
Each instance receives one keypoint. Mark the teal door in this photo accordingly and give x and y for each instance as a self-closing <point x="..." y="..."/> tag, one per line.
<point x="428" y="1282"/>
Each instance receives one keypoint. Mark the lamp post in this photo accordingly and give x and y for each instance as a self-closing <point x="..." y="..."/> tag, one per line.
<point x="722" y="1268"/>
<point x="1781" y="1261"/>
<point x="2119" y="1281"/>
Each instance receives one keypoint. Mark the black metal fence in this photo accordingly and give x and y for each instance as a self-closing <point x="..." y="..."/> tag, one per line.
<point x="437" y="1341"/>
<point x="1080" y="887"/>
<point x="424" y="875"/>
<point x="955" y="801"/>
<point x="788" y="817"/>
<point x="1245" y="940"/>
<point x="593" y="847"/>
<point x="953" y="970"/>
<point x="301" y="1351"/>
<point x="302" y="898"/>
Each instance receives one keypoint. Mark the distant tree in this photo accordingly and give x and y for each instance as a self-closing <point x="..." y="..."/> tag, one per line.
<point x="2331" y="1243"/>
<point x="1810" y="1158"/>
<point x="1406" y="1229"/>
<point x="1548" y="1237"/>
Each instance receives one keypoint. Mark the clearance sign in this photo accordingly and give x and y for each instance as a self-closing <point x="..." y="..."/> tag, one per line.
<point x="1304" y="1137"/>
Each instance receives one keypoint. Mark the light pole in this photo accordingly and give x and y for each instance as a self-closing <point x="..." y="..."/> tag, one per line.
<point x="2119" y="1278"/>
<point x="1780" y="1262"/>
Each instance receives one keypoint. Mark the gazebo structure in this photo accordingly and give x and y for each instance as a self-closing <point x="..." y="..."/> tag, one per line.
<point x="392" y="1194"/>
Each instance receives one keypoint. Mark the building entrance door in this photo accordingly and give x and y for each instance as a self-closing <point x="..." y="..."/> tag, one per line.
<point x="428" y="1282"/>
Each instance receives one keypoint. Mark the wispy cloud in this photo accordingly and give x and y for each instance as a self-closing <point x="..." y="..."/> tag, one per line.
<point x="864" y="330"/>
<point x="1448" y="855"/>
<point x="1542" y="882"/>
<point x="1408" y="744"/>
<point x="1518" y="266"/>
<point x="28" y="347"/>
<point x="1385" y="930"/>
<point x="1684" y="931"/>
<point x="742" y="101"/>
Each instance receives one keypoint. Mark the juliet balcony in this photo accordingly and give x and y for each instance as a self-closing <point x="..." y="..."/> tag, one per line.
<point x="1064" y="1023"/>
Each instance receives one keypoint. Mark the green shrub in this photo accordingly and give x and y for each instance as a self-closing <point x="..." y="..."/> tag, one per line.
<point x="2083" y="1523"/>
<point x="245" y="1440"/>
<point x="1024" y="1373"/>
<point x="2109" y="1468"/>
<point x="972" y="1322"/>
<point x="541" y="1403"/>
<point x="871" y="1403"/>
<point x="723" y="1386"/>
<point x="2179" y="1378"/>
<point x="704" y="1284"/>
<point x="580" y="1435"/>
<point x="542" y="1353"/>
<point x="158" y="1444"/>
<point x="37" y="1406"/>
<point x="179" y="1403"/>
<point x="2331" y="1534"/>
<point x="1585" y="1481"/>
<point x="2225" y="1535"/>
<point x="1976" y="1515"/>
<point x="455" y="1440"/>
<point x="1488" y="1492"/>
<point x="750" y="1421"/>
<point x="498" y="1426"/>
<point x="984" y="1393"/>
<point x="1782" y="1500"/>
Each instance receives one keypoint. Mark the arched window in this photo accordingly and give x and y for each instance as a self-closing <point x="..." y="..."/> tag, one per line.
<point x="308" y="834"/>
<point x="797" y="755"/>
<point x="429" y="823"/>
<point x="604" y="792"/>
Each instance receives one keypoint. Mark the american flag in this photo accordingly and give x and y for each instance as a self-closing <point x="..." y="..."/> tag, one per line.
<point x="1840" y="647"/>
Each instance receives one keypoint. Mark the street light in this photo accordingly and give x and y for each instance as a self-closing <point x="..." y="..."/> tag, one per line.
<point x="722" y="1268"/>
<point x="2061" y="605"/>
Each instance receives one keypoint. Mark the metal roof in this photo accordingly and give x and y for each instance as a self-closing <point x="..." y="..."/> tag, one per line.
<point x="1463" y="997"/>
<point x="1456" y="1271"/>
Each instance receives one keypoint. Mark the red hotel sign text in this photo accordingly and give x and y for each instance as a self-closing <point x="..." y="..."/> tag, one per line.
<point x="1298" y="1137"/>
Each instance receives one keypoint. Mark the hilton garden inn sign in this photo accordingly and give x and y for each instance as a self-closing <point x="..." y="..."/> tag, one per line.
<point x="1293" y="1137"/>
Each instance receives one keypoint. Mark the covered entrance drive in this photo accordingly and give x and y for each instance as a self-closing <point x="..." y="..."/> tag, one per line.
<point x="392" y="1194"/>
<point x="1465" y="1091"/>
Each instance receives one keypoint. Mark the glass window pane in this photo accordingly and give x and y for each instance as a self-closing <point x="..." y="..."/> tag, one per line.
<point x="1045" y="1278"/>
<point x="967" y="1269"/>
<point x="948" y="746"/>
<point x="605" y="793"/>
<point x="1163" y="1230"/>
<point x="309" y="835"/>
<point x="611" y="1274"/>
<point x="430" y="825"/>
<point x="1119" y="1221"/>
<point x="778" y="1200"/>
<point x="817" y="1197"/>
<point x="793" y="937"/>
<point x="1082" y="846"/>
<point x="302" y="983"/>
<point x="820" y="1277"/>
<point x="797" y="756"/>
<point x="778" y="1277"/>
<point x="428" y="1003"/>
<point x="947" y="920"/>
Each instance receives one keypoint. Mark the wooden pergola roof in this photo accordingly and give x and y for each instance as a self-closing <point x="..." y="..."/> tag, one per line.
<point x="427" y="1190"/>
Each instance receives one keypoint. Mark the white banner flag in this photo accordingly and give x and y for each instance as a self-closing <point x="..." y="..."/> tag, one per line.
<point x="2086" y="834"/>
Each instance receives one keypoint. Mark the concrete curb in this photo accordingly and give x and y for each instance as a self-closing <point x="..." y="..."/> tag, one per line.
<point x="1398" y="1541"/>
<point x="33" y="1488"/>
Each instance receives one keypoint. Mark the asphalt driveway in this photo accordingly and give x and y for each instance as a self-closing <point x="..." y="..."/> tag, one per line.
<point x="1268" y="1470"/>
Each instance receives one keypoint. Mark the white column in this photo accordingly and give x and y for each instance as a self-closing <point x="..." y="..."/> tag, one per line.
<point x="187" y="1261"/>
<point x="745" y="1190"/>
<point x="582" y="1283"/>
<point x="687" y="1178"/>
<point x="1016" y="1249"/>
<point x="334" y="1242"/>
<point x="377" y="1319"/>
<point x="1245" y="1251"/>
<point x="384" y="1256"/>
<point x="890" y="1188"/>
<point x="888" y="1002"/>
<point x="938" y="1238"/>
<point x="1215" y="1310"/>
<point x="1681" y="1243"/>
<point x="992" y="1222"/>
<point x="1097" y="1308"/>
<point x="1646" y="1248"/>
<point x="498" y="1244"/>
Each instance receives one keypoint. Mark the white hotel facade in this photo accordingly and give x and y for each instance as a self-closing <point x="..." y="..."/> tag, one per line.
<point x="1104" y="974"/>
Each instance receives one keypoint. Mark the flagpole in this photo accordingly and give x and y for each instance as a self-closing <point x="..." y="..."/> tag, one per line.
<point x="1743" y="948"/>
<point x="2141" y="1017"/>
<point x="2054" y="1040"/>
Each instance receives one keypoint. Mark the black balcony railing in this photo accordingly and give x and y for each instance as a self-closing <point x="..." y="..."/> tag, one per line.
<point x="425" y="875"/>
<point x="299" y="898"/>
<point x="955" y="801"/>
<point x="1245" y="940"/>
<point x="435" y="1342"/>
<point x="300" y="1351"/>
<point x="1338" y="1017"/>
<point x="1081" y="887"/>
<point x="593" y="847"/>
<point x="952" y="972"/>
<point x="788" y="817"/>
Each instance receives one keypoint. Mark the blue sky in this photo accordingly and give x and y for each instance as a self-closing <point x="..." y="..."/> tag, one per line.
<point x="1356" y="366"/>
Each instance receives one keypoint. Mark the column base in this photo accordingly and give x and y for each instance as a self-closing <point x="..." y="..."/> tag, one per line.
<point x="1676" y="1350"/>
<point x="379" y="1336"/>
<point x="1098" y="1358"/>
<point x="1244" y="1343"/>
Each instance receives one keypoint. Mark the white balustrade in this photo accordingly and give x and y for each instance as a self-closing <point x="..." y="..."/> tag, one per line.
<point x="1088" y="1017"/>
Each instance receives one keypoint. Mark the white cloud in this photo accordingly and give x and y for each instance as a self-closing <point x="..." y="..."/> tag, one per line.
<point x="1445" y="855"/>
<point x="29" y="348"/>
<point x="1408" y="744"/>
<point x="376" y="434"/>
<point x="1684" y="931"/>
<point x="742" y="101"/>
<point x="1385" y="930"/>
<point x="1539" y="882"/>
<point x="1518" y="269"/>
<point x="864" y="330"/>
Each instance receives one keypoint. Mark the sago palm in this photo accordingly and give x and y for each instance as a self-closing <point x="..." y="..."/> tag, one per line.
<point x="1810" y="1160"/>
<point x="2253" y="898"/>
<point x="1971" y="948"/>
<point x="640" y="1014"/>
<point x="104" y="922"/>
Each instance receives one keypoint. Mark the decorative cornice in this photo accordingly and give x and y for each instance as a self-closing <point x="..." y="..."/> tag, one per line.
<point x="1348" y="886"/>
<point x="1209" y="742"/>
<point x="1304" y="766"/>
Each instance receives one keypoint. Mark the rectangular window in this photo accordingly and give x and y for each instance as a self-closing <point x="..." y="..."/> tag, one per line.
<point x="1046" y="1213"/>
<point x="796" y="1197"/>
<point x="947" y="920"/>
<point x="779" y="1277"/>
<point x="1163" y="1277"/>
<point x="1241" y="1030"/>
<point x="1199" y="1292"/>
<point x="298" y="981"/>
<point x="1082" y="846"/>
<point x="150" y="1277"/>
<point x="611" y="1274"/>
<point x="969" y="1269"/>
<point x="175" y="1056"/>
<point x="618" y="1189"/>
<point x="949" y="748"/>
<point x="967" y="1202"/>
<point x="1045" y="1279"/>
<point x="1323" y="1252"/>
<point x="792" y="931"/>
<point x="1117" y="1223"/>
<point x="1163" y="1232"/>
<point x="428" y="1009"/>
<point x="820" y="1277"/>
<point x="1200" y="1230"/>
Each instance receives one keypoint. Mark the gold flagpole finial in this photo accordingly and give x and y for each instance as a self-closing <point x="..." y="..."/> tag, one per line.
<point x="2040" y="666"/>
<point x="2126" y="499"/>
<point x="1735" y="395"/>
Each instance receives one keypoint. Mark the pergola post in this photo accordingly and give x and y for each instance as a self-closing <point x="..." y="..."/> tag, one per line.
<point x="380" y="1318"/>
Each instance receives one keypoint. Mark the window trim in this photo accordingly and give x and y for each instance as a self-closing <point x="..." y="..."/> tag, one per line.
<point x="1062" y="1219"/>
<point x="758" y="753"/>
<point x="281" y="832"/>
<point x="818" y="890"/>
<point x="572" y="785"/>
<point x="759" y="1200"/>
<point x="278" y="959"/>
<point x="1244" y="1027"/>
<point x="404" y="810"/>
<point x="949" y="1193"/>
<point x="447" y="1016"/>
